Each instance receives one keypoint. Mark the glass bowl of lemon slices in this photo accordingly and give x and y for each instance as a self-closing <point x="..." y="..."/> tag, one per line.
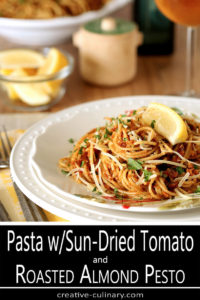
<point x="33" y="80"/>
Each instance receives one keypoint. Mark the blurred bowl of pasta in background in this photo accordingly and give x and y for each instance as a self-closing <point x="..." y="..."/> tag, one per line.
<point x="45" y="23"/>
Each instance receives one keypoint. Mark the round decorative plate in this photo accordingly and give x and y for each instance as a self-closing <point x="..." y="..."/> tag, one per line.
<point x="35" y="158"/>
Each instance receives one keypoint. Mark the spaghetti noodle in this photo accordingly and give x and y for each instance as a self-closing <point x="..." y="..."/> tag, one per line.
<point x="130" y="163"/>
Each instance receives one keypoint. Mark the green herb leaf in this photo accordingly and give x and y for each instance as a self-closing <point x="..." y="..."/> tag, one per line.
<point x="115" y="191"/>
<point x="134" y="164"/>
<point x="97" y="136"/>
<point x="120" y="197"/>
<point x="65" y="172"/>
<point x="94" y="189"/>
<point x="80" y="150"/>
<point x="153" y="123"/>
<point x="125" y="139"/>
<point x="147" y="175"/>
<point x="71" y="141"/>
<point x="82" y="163"/>
<point x="177" y="110"/>
<point x="108" y="132"/>
<point x="196" y="167"/>
<point x="198" y="189"/>
<point x="86" y="140"/>
<point x="134" y="112"/>
<point x="179" y="170"/>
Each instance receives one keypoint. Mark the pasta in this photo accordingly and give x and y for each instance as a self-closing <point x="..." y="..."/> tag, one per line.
<point x="46" y="9"/>
<point x="130" y="163"/>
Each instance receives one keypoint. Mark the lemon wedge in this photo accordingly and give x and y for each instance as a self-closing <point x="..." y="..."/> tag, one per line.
<point x="30" y="93"/>
<point x="8" y="86"/>
<point x="54" y="62"/>
<point x="21" y="58"/>
<point x="166" y="122"/>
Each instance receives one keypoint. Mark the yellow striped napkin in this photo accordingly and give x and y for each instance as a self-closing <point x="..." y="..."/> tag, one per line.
<point x="8" y="197"/>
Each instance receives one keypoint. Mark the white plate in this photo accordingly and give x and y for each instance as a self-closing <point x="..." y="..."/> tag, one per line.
<point x="52" y="31"/>
<point x="34" y="158"/>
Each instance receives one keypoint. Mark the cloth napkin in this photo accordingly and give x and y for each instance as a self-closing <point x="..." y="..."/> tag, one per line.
<point x="8" y="197"/>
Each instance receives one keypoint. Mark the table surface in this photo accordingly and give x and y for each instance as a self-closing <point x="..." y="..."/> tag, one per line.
<point x="161" y="75"/>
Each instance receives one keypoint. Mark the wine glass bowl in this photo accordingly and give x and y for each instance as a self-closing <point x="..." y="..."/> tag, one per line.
<point x="184" y="12"/>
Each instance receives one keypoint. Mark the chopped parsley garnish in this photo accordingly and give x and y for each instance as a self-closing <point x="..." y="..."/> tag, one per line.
<point x="140" y="162"/>
<point x="71" y="140"/>
<point x="97" y="136"/>
<point x="65" y="172"/>
<point x="197" y="190"/>
<point x="177" y="110"/>
<point x="107" y="133"/>
<point x="120" y="197"/>
<point x="123" y="116"/>
<point x="153" y="123"/>
<point x="121" y="122"/>
<point x="179" y="170"/>
<point x="147" y="175"/>
<point x="117" y="194"/>
<point x="125" y="139"/>
<point x="196" y="167"/>
<point x="134" y="112"/>
<point x="86" y="140"/>
<point x="95" y="191"/>
<point x="80" y="150"/>
<point x="82" y="163"/>
<point x="134" y="164"/>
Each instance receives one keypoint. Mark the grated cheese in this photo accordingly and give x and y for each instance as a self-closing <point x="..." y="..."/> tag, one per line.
<point x="111" y="156"/>
<point x="185" y="159"/>
<point x="184" y="178"/>
<point x="74" y="171"/>
<point x="159" y="161"/>
<point x="141" y="179"/>
<point x="96" y="181"/>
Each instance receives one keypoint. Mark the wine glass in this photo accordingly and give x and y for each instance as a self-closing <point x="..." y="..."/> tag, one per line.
<point x="184" y="12"/>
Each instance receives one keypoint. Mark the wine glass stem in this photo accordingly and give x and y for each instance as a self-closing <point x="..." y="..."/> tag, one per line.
<point x="190" y="61"/>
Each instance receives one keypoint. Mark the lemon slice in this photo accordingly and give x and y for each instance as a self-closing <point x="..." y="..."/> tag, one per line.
<point x="54" y="62"/>
<point x="8" y="86"/>
<point x="21" y="58"/>
<point x="30" y="93"/>
<point x="166" y="122"/>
